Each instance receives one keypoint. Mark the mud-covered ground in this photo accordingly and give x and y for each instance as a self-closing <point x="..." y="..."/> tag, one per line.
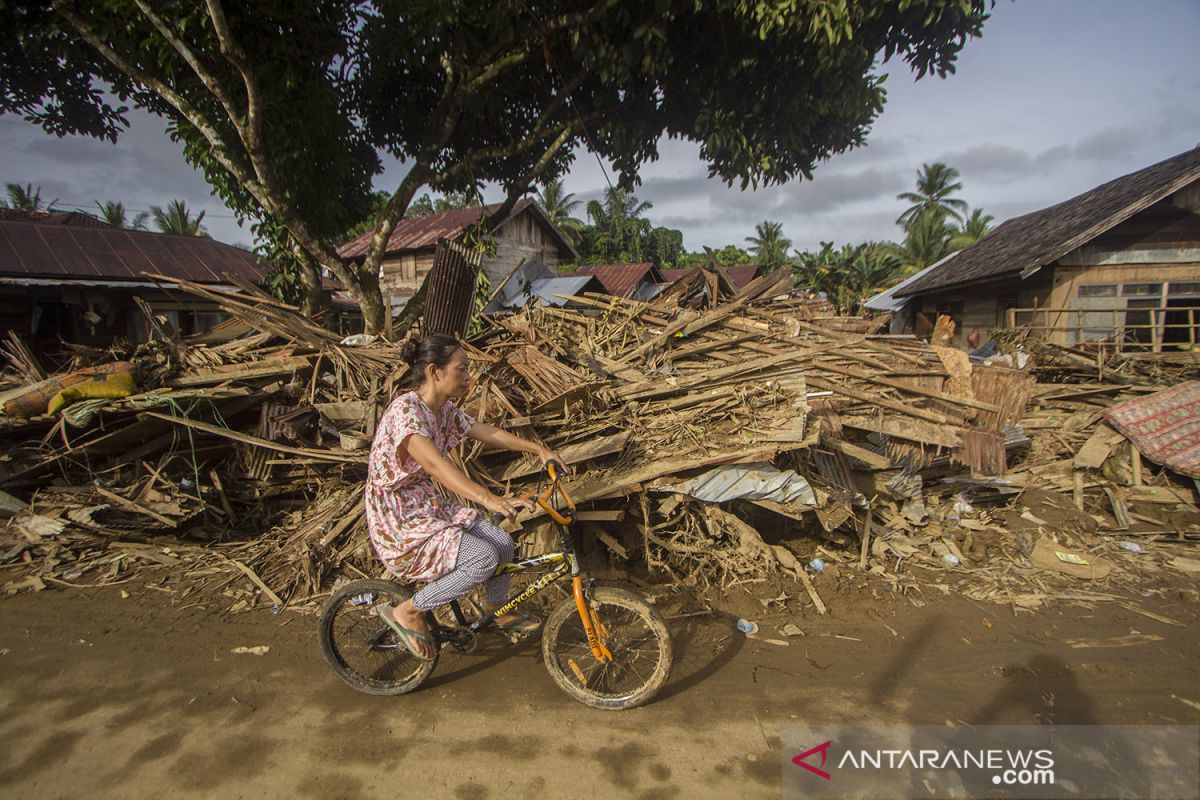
<point x="103" y="695"/>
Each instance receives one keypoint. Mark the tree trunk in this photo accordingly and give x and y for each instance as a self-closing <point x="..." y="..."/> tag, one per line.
<point x="314" y="299"/>
<point x="370" y="301"/>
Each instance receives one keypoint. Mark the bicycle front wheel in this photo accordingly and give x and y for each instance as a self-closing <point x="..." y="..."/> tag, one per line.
<point x="360" y="647"/>
<point x="632" y="630"/>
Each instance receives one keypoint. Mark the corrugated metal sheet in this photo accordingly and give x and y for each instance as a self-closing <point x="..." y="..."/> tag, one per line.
<point x="889" y="299"/>
<point x="548" y="288"/>
<point x="71" y="251"/>
<point x="77" y="218"/>
<point x="622" y="280"/>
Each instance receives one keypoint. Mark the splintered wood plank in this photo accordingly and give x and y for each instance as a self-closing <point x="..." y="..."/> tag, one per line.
<point x="256" y="369"/>
<point x="572" y="454"/>
<point x="204" y="427"/>
<point x="912" y="430"/>
<point x="907" y="387"/>
<point x="912" y="411"/>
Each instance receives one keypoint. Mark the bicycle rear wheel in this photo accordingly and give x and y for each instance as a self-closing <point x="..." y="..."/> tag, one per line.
<point x="360" y="647"/>
<point x="633" y="631"/>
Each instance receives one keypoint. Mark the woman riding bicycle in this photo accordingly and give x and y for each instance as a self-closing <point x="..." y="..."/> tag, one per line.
<point x="419" y="534"/>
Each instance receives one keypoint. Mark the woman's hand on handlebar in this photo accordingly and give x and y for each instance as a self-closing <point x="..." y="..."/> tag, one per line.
<point x="546" y="455"/>
<point x="508" y="506"/>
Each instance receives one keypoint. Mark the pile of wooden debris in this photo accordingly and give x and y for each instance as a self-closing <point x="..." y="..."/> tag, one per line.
<point x="718" y="437"/>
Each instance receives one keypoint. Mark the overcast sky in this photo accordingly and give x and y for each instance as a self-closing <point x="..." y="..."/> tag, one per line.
<point x="1056" y="97"/>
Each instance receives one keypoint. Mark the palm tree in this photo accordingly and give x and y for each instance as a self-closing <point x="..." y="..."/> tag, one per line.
<point x="619" y="225"/>
<point x="26" y="198"/>
<point x="113" y="213"/>
<point x="935" y="183"/>
<point x="558" y="204"/>
<point x="972" y="230"/>
<point x="768" y="246"/>
<point x="178" y="220"/>
<point x="926" y="241"/>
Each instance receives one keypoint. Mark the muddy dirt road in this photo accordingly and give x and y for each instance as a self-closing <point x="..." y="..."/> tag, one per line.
<point x="105" y="696"/>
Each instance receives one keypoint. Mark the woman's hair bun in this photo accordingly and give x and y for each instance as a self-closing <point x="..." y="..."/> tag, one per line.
<point x="408" y="352"/>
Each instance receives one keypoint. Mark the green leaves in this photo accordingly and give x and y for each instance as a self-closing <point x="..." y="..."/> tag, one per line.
<point x="466" y="92"/>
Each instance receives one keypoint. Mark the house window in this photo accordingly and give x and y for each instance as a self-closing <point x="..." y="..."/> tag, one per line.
<point x="1004" y="302"/>
<point x="1181" y="321"/>
<point x="1142" y="290"/>
<point x="1098" y="290"/>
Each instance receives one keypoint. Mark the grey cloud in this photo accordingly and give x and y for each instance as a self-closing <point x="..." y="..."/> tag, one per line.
<point x="989" y="159"/>
<point x="78" y="150"/>
<point x="1108" y="143"/>
<point x="829" y="192"/>
<point x="993" y="159"/>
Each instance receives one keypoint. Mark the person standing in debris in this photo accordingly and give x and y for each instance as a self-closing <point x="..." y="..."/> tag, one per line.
<point x="418" y="534"/>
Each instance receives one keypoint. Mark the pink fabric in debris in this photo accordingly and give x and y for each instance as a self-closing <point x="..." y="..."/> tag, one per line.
<point x="1164" y="426"/>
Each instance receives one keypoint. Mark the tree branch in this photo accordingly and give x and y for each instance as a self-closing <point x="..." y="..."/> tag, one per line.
<point x="522" y="185"/>
<point x="210" y="82"/>
<point x="493" y="70"/>
<point x="237" y="57"/>
<point x="192" y="114"/>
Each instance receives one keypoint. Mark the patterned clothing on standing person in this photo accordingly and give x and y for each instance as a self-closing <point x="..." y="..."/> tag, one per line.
<point x="416" y="531"/>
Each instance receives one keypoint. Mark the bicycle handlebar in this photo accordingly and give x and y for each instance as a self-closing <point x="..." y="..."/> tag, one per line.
<point x="553" y="469"/>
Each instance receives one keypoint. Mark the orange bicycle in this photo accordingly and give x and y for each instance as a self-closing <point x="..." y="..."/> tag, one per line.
<point x="605" y="647"/>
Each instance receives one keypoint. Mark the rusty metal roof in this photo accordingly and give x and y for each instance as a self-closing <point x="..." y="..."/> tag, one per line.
<point x="53" y="217"/>
<point x="48" y="249"/>
<point x="622" y="279"/>
<point x="422" y="232"/>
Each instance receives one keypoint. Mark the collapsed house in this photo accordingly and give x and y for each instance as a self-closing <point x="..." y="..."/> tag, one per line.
<point x="722" y="439"/>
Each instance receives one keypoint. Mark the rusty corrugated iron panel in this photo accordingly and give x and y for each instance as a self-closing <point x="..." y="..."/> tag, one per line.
<point x="621" y="280"/>
<point x="451" y="294"/>
<point x="68" y="250"/>
<point x="424" y="232"/>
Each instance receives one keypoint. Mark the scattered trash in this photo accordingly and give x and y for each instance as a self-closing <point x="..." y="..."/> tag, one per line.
<point x="817" y="565"/>
<point x="258" y="650"/>
<point x="791" y="630"/>
<point x="746" y="626"/>
<point x="1132" y="547"/>
<point x="358" y="340"/>
<point x="950" y="560"/>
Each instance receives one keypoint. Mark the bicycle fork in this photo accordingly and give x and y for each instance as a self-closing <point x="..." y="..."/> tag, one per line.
<point x="591" y="623"/>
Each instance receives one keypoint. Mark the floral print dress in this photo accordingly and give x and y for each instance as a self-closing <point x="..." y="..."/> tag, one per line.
<point x="415" y="530"/>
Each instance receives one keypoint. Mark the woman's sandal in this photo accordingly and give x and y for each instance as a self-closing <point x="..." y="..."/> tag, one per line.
<point x="384" y="612"/>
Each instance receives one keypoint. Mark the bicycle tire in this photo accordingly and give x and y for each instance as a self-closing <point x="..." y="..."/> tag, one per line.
<point x="361" y="649"/>
<point x="629" y="621"/>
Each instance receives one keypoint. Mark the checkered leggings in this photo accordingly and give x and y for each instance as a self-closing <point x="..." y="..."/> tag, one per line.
<point x="482" y="548"/>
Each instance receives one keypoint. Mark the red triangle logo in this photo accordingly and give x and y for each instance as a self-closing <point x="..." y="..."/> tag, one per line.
<point x="823" y="749"/>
